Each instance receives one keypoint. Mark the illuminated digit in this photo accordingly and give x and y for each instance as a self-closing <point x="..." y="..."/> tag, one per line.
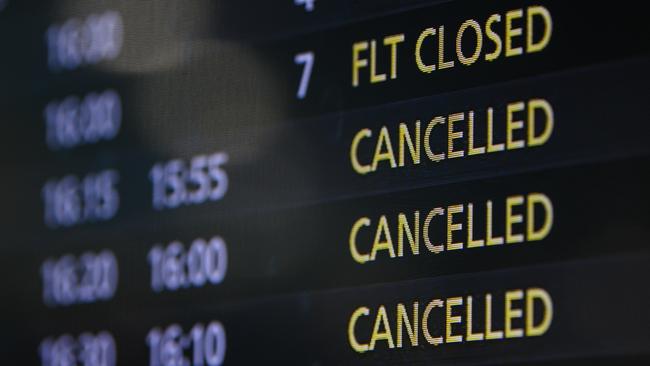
<point x="306" y="59"/>
<point x="308" y="4"/>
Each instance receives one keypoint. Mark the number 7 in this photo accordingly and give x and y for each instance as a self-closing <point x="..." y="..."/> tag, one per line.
<point x="307" y="59"/>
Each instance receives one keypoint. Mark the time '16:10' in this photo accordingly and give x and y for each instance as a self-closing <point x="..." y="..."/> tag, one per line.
<point x="203" y="346"/>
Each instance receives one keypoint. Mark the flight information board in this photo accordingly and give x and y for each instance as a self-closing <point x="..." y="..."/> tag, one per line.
<point x="311" y="182"/>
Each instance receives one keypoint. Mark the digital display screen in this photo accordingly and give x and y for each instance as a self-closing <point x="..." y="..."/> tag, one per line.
<point x="312" y="182"/>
